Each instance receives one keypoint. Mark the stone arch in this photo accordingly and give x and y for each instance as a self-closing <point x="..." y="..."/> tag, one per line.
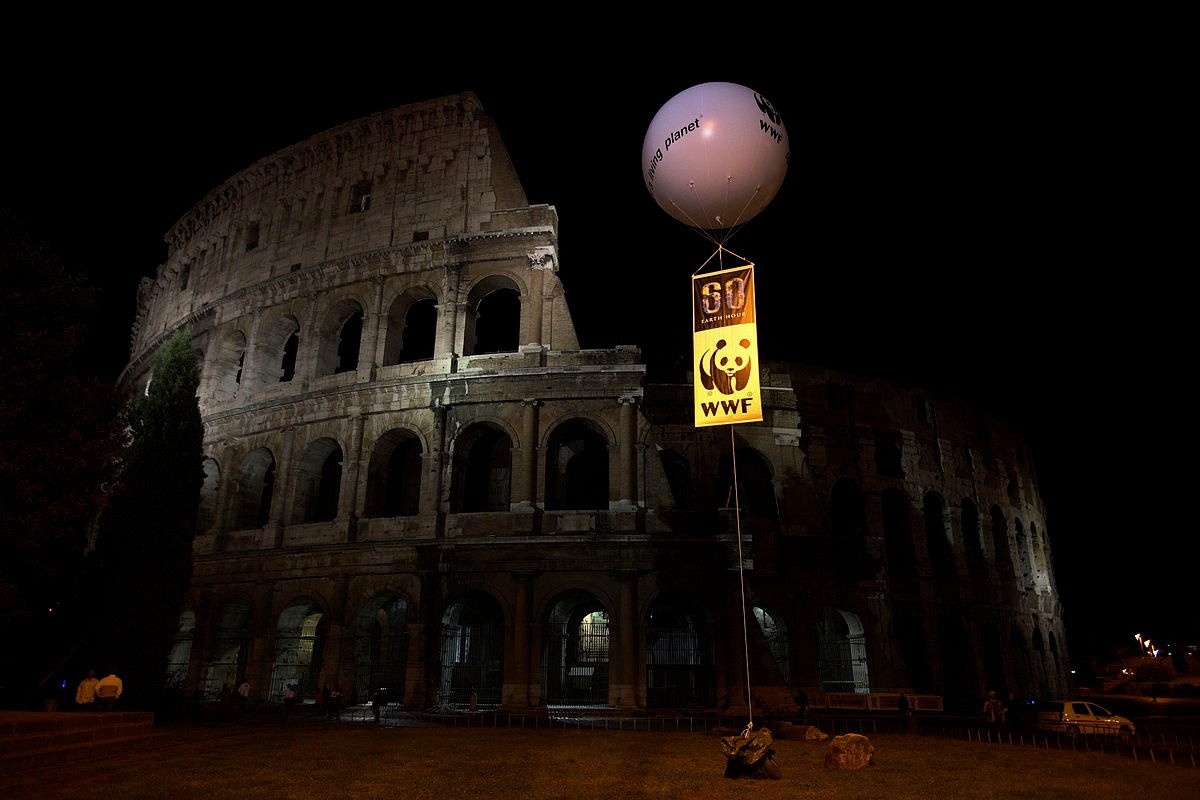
<point x="577" y="466"/>
<point x="481" y="475"/>
<point x="680" y="657"/>
<point x="679" y="478"/>
<point x="898" y="541"/>
<point x="411" y="332"/>
<point x="472" y="653"/>
<point x="842" y="652"/>
<point x="179" y="659"/>
<point x="575" y="651"/>
<point x="301" y="632"/>
<point x="318" y="482"/>
<point x="493" y="321"/>
<point x="755" y="483"/>
<point x="275" y="350"/>
<point x="394" y="475"/>
<point x="775" y="640"/>
<point x="339" y="338"/>
<point x="381" y="642"/>
<point x="224" y="366"/>
<point x="230" y="652"/>
<point x="253" y="490"/>
<point x="206" y="512"/>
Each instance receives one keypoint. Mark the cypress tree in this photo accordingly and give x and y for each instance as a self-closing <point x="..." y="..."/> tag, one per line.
<point x="144" y="551"/>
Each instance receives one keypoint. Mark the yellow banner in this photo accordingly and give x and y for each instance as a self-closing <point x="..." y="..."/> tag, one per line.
<point x="725" y="348"/>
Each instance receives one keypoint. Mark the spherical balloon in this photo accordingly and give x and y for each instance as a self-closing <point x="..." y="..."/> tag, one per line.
<point x="715" y="155"/>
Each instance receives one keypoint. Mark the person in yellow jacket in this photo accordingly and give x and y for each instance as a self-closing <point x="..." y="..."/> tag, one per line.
<point x="108" y="691"/>
<point x="85" y="693"/>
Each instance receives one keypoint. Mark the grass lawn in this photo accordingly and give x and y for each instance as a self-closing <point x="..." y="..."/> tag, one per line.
<point x="256" y="758"/>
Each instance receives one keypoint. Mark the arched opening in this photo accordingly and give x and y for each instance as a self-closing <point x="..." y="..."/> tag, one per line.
<point x="842" y="653"/>
<point x="576" y="468"/>
<point x="482" y="473"/>
<point x="575" y="652"/>
<point x="680" y="670"/>
<point x="472" y="653"/>
<point x="394" y="476"/>
<point x="299" y="650"/>
<point x="381" y="645"/>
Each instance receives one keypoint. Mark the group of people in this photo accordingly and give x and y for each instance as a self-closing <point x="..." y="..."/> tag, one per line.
<point x="329" y="701"/>
<point x="1000" y="715"/>
<point x="91" y="693"/>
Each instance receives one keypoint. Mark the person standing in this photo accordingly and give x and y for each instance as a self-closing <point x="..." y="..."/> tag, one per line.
<point x="993" y="712"/>
<point x="108" y="692"/>
<point x="378" y="702"/>
<point x="243" y="694"/>
<point x="905" y="711"/>
<point x="289" y="696"/>
<point x="801" y="705"/>
<point x="334" y="709"/>
<point x="85" y="692"/>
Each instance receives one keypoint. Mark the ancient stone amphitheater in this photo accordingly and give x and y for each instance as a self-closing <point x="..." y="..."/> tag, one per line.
<point x="417" y="480"/>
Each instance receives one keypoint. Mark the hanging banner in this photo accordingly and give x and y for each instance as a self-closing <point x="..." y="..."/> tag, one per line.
<point x="725" y="347"/>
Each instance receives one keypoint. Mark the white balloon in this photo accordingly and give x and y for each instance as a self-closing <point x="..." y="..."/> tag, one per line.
<point x="715" y="155"/>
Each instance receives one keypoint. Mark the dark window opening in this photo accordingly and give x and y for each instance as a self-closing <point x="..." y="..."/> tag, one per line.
<point x="348" y="343"/>
<point x="251" y="236"/>
<point x="288" y="367"/>
<point x="360" y="197"/>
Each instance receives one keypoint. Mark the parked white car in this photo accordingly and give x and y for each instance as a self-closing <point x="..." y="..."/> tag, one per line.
<point x="1082" y="718"/>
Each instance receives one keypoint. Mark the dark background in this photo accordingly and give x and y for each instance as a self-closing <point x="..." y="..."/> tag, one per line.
<point x="995" y="219"/>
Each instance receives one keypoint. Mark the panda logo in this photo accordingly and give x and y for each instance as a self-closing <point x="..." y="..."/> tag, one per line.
<point x="726" y="368"/>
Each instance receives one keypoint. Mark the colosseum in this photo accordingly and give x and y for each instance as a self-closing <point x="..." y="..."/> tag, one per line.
<point x="417" y="479"/>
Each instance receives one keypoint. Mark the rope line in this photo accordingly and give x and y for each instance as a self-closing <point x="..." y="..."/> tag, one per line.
<point x="737" y="513"/>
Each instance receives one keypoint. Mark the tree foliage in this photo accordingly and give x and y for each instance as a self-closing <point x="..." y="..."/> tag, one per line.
<point x="144" y="551"/>
<point x="62" y="433"/>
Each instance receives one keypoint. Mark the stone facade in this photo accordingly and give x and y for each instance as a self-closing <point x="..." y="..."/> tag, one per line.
<point x="417" y="480"/>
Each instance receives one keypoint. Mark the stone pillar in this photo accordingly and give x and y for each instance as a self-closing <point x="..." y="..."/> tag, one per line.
<point x="625" y="682"/>
<point x="371" y="341"/>
<point x="627" y="452"/>
<point x="251" y="379"/>
<point x="352" y="459"/>
<point x="310" y="346"/>
<point x="435" y="498"/>
<point x="540" y="260"/>
<point x="526" y="462"/>
<point x="450" y="325"/>
<point x="280" y="505"/>
<point x="519" y="684"/>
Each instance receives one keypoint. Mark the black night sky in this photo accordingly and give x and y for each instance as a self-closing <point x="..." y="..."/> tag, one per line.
<point x="989" y="219"/>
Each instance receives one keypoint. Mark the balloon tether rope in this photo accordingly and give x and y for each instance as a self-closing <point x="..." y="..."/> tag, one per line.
<point x="737" y="514"/>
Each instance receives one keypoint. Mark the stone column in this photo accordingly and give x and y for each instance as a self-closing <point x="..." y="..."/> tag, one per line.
<point x="627" y="452"/>
<point x="348" y="501"/>
<point x="625" y="658"/>
<point x="371" y="342"/>
<point x="540" y="260"/>
<point x="520" y="680"/>
<point x="526" y="462"/>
